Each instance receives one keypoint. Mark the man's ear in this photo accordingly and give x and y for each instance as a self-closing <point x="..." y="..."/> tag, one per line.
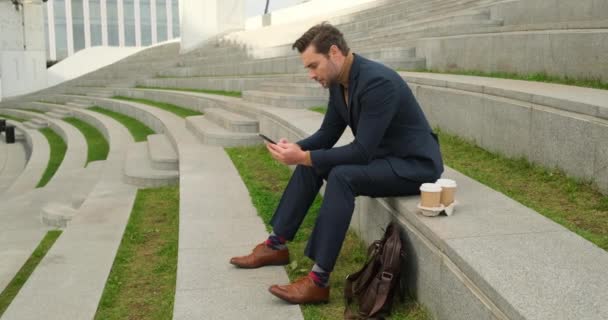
<point x="333" y="50"/>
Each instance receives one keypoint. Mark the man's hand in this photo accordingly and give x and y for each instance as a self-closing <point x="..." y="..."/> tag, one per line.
<point x="287" y="153"/>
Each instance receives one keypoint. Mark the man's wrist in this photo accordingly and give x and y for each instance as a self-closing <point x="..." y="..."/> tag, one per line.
<point x="306" y="160"/>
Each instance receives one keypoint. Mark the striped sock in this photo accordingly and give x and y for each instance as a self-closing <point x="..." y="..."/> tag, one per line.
<point x="319" y="276"/>
<point x="275" y="242"/>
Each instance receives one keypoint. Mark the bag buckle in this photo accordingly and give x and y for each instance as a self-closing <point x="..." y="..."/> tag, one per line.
<point x="387" y="275"/>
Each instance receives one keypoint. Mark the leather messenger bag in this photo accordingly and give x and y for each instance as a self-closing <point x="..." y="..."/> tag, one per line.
<point x="374" y="286"/>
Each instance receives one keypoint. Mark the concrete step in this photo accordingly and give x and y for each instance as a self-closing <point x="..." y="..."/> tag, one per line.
<point x="232" y="121"/>
<point x="283" y="100"/>
<point x="211" y="133"/>
<point x="162" y="152"/>
<point x="58" y="114"/>
<point x="140" y="172"/>
<point x="32" y="125"/>
<point x="304" y="89"/>
<point x="79" y="105"/>
<point x="57" y="215"/>
<point x="40" y="122"/>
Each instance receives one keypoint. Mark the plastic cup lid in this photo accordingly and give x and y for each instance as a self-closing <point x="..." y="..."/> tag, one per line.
<point x="430" y="187"/>
<point x="448" y="183"/>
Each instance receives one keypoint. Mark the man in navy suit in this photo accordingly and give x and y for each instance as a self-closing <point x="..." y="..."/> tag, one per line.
<point x="393" y="153"/>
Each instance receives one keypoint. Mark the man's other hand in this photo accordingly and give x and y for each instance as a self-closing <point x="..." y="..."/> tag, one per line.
<point x="288" y="153"/>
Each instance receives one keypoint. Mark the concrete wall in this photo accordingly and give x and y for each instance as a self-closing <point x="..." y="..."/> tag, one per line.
<point x="204" y="19"/>
<point x="22" y="51"/>
<point x="572" y="53"/>
<point x="519" y="12"/>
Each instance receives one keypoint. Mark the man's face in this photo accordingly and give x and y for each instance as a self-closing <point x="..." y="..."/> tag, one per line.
<point x="321" y="68"/>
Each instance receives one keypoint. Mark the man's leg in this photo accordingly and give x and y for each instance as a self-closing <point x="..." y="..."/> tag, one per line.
<point x="344" y="183"/>
<point x="297" y="198"/>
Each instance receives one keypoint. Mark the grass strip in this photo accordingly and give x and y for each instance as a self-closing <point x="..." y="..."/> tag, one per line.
<point x="98" y="146"/>
<point x="138" y="130"/>
<point x="574" y="204"/>
<point x="12" y="118"/>
<point x="141" y="284"/>
<point x="58" y="148"/>
<point x="266" y="179"/>
<point x="319" y="109"/>
<point x="537" y="77"/>
<point x="236" y="94"/>
<point x="12" y="289"/>
<point x="179" y="111"/>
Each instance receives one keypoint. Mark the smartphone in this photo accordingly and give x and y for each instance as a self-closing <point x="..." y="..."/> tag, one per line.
<point x="266" y="138"/>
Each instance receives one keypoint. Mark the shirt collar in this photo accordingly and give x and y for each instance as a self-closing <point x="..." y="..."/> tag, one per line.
<point x="345" y="72"/>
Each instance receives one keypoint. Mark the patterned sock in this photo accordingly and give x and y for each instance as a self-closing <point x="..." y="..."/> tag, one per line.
<point x="275" y="242"/>
<point x="319" y="276"/>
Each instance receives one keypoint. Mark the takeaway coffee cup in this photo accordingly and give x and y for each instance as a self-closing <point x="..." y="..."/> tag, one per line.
<point x="430" y="195"/>
<point x="448" y="191"/>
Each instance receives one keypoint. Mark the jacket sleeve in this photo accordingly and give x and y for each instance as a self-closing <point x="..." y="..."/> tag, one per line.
<point x="331" y="130"/>
<point x="379" y="103"/>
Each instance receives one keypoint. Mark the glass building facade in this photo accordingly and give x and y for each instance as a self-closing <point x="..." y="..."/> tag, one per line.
<point x="72" y="25"/>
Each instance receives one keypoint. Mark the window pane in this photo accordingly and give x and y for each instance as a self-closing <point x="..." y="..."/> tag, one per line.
<point x="78" y="25"/>
<point x="146" y="27"/>
<point x="161" y="21"/>
<point x="60" y="29"/>
<point x="95" y="17"/>
<point x="175" y="18"/>
<point x="129" y="11"/>
<point x="112" y="7"/>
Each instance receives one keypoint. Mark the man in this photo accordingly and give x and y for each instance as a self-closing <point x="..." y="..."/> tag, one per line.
<point x="393" y="153"/>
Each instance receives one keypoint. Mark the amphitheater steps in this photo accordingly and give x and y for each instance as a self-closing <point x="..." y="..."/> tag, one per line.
<point x="69" y="281"/>
<point x="140" y="170"/>
<point x="162" y="153"/>
<point x="214" y="134"/>
<point x="282" y="100"/>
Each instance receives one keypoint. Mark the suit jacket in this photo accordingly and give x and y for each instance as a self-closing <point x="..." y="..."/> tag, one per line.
<point x="385" y="119"/>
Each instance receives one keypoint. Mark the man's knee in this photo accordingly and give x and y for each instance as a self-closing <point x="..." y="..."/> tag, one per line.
<point x="341" y="173"/>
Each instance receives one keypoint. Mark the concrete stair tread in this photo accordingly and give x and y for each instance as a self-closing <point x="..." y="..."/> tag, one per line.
<point x="139" y="170"/>
<point x="232" y="121"/>
<point x="592" y="102"/>
<point x="162" y="152"/>
<point x="211" y="133"/>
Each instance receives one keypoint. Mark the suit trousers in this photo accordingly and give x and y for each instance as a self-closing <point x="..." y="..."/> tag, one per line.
<point x="344" y="183"/>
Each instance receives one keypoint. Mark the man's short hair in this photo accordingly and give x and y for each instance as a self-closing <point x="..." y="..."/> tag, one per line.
<point x="322" y="36"/>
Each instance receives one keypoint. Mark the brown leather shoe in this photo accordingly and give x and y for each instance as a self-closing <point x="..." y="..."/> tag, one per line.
<point x="302" y="291"/>
<point x="261" y="256"/>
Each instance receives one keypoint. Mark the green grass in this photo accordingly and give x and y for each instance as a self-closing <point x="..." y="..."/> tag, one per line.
<point x="574" y="204"/>
<point x="12" y="289"/>
<point x="179" y="111"/>
<point x="266" y="179"/>
<point x="4" y="116"/>
<point x="319" y="109"/>
<point x="138" y="130"/>
<point x="58" y="148"/>
<point x="141" y="284"/>
<point x="236" y="94"/>
<point x="98" y="147"/>
<point x="538" y="77"/>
